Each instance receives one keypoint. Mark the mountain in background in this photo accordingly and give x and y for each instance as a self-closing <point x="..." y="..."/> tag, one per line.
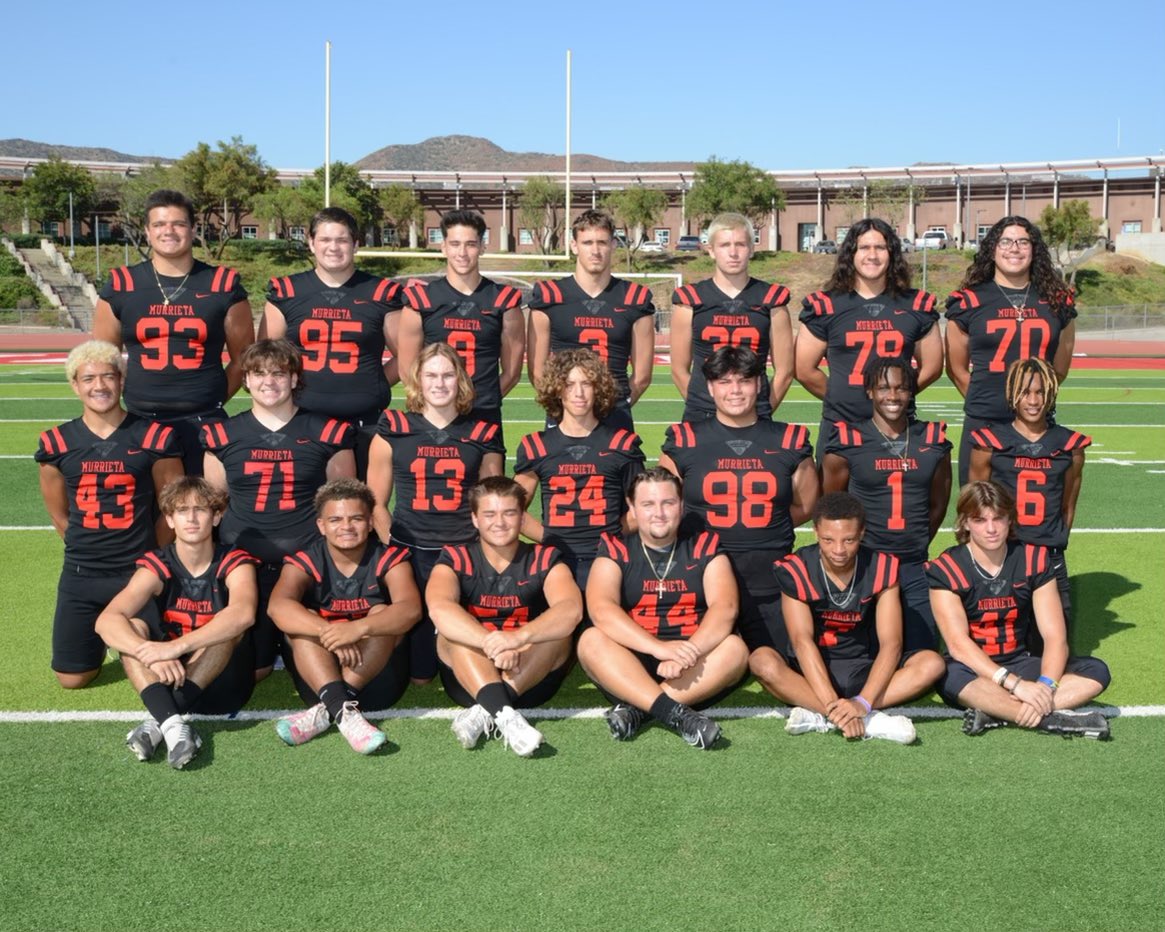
<point x="441" y="153"/>
<point x="27" y="149"/>
<point x="472" y="153"/>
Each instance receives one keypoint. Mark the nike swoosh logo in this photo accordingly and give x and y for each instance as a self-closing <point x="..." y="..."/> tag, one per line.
<point x="303" y="440"/>
<point x="605" y="452"/>
<point x="692" y="566"/>
<point x="896" y="311"/>
<point x="523" y="582"/>
<point x="771" y="452"/>
<point x="924" y="449"/>
<point x="203" y="294"/>
<point x="359" y="301"/>
<point x="134" y="452"/>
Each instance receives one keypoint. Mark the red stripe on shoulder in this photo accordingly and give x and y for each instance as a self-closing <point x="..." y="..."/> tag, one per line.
<point x="155" y="564"/>
<point x="985" y="438"/>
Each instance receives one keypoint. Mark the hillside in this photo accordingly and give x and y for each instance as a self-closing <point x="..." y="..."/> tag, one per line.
<point x="28" y="149"/>
<point x="472" y="153"/>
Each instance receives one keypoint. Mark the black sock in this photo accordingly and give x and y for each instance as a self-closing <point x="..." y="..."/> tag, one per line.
<point x="333" y="695"/>
<point x="159" y="701"/>
<point x="663" y="707"/>
<point x="353" y="692"/>
<point x="493" y="697"/>
<point x="186" y="695"/>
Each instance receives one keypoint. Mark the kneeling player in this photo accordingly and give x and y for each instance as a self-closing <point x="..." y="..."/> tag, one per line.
<point x="986" y="594"/>
<point x="663" y="608"/>
<point x="344" y="604"/>
<point x="843" y="611"/>
<point x="189" y="654"/>
<point x="505" y="612"/>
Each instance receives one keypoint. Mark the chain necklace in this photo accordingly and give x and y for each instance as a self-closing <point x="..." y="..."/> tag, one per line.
<point x="982" y="572"/>
<point x="843" y="597"/>
<point x="168" y="298"/>
<point x="902" y="455"/>
<point x="659" y="577"/>
<point x="1016" y="303"/>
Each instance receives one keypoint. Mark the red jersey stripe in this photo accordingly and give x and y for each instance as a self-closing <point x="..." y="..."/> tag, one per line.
<point x="151" y="561"/>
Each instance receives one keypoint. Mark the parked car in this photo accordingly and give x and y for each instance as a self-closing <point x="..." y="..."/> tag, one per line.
<point x="621" y="241"/>
<point x="933" y="239"/>
<point x="907" y="244"/>
<point x="826" y="246"/>
<point x="651" y="245"/>
<point x="688" y="244"/>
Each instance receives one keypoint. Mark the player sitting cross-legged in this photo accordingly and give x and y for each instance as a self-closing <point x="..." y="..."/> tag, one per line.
<point x="987" y="592"/>
<point x="505" y="612"/>
<point x="663" y="608"/>
<point x="179" y="624"/>
<point x="843" y="611"/>
<point x="344" y="604"/>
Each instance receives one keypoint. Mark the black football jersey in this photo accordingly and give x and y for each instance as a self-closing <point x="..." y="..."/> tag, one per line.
<point x="336" y="597"/>
<point x="471" y="324"/>
<point x="999" y="609"/>
<point x="718" y="320"/>
<point x="433" y="469"/>
<point x="844" y="621"/>
<point x="738" y="481"/>
<point x="110" y="487"/>
<point x="891" y="478"/>
<point x="857" y="330"/>
<point x="173" y="343"/>
<point x="1033" y="471"/>
<point x="603" y="324"/>
<point x="584" y="482"/>
<point x="502" y="601"/>
<point x="186" y="601"/>
<point x="273" y="476"/>
<point x="341" y="334"/>
<point x="668" y="602"/>
<point x="998" y="333"/>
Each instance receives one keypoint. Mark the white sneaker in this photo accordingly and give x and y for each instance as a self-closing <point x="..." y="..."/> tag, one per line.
<point x="802" y="721"/>
<point x="470" y="724"/>
<point x="362" y="735"/>
<point x="517" y="734"/>
<point x="896" y="728"/>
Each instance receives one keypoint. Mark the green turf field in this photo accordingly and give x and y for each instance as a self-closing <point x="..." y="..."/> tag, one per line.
<point x="1011" y="830"/>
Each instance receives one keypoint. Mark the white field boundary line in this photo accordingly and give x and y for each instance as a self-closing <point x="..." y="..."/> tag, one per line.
<point x="573" y="714"/>
<point x="541" y="422"/>
<point x="800" y="530"/>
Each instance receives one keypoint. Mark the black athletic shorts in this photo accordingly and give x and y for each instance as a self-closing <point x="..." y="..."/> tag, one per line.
<point x="1025" y="665"/>
<point x="538" y="694"/>
<point x="82" y="595"/>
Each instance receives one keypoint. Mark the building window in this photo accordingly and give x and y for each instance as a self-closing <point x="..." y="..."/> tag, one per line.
<point x="388" y="236"/>
<point x="620" y="233"/>
<point x="250" y="232"/>
<point x="755" y="236"/>
<point x="298" y="233"/>
<point x="525" y="238"/>
<point x="1131" y="226"/>
<point x="435" y="237"/>
<point x="662" y="235"/>
<point x="984" y="229"/>
<point x="485" y="239"/>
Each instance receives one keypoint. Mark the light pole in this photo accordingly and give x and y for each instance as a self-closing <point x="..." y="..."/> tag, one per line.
<point x="72" y="251"/>
<point x="97" y="243"/>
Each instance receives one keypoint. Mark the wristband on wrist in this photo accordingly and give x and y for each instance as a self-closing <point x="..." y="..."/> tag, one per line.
<point x="1000" y="675"/>
<point x="860" y="700"/>
<point x="1015" y="685"/>
<point x="1049" y="682"/>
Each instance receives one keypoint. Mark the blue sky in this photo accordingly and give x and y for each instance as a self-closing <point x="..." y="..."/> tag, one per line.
<point x="782" y="85"/>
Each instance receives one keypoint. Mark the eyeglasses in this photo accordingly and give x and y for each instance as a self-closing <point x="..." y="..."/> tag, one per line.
<point x="1022" y="244"/>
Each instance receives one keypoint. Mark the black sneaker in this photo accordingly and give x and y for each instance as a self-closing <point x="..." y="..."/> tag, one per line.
<point x="976" y="721"/>
<point x="694" y="727"/>
<point x="624" y="721"/>
<point x="1075" y="723"/>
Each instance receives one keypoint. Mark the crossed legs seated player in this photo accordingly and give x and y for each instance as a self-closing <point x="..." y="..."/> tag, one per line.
<point x="989" y="672"/>
<point x="842" y="608"/>
<point x="179" y="625"/>
<point x="505" y="614"/>
<point x="662" y="644"/>
<point x="344" y="605"/>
